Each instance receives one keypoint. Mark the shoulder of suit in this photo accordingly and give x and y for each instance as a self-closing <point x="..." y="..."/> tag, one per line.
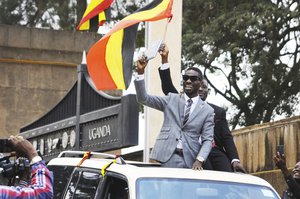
<point x="216" y="108"/>
<point x="174" y="94"/>
<point x="207" y="106"/>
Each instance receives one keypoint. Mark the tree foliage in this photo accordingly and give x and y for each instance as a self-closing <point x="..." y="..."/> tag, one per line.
<point x="8" y="15"/>
<point x="63" y="14"/>
<point x="254" y="48"/>
<point x="56" y="14"/>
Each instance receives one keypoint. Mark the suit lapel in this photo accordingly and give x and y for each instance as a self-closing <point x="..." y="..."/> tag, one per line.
<point x="181" y="107"/>
<point x="197" y="109"/>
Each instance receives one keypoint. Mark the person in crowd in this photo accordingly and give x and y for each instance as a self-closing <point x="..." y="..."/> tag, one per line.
<point x="41" y="185"/>
<point x="185" y="139"/>
<point x="292" y="179"/>
<point x="224" y="155"/>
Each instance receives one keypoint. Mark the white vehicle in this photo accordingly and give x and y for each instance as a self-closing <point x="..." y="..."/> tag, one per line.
<point x="74" y="178"/>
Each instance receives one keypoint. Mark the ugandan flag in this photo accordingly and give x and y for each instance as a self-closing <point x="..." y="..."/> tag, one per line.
<point x="94" y="8"/>
<point x="110" y="60"/>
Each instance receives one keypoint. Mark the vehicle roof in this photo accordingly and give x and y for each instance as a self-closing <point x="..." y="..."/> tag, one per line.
<point x="133" y="172"/>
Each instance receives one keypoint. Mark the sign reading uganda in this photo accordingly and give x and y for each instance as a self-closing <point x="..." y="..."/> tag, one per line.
<point x="110" y="128"/>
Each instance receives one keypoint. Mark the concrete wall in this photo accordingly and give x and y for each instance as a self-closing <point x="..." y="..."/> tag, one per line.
<point x="257" y="146"/>
<point x="37" y="68"/>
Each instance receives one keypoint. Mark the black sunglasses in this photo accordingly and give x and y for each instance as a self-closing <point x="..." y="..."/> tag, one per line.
<point x="192" y="78"/>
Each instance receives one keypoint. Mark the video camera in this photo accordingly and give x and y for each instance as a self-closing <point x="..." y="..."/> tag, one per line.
<point x="5" y="146"/>
<point x="11" y="168"/>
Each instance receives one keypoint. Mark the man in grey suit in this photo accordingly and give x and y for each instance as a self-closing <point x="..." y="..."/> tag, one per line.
<point x="185" y="139"/>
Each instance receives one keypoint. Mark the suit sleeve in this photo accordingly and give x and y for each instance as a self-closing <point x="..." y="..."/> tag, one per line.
<point x="156" y="102"/>
<point x="166" y="81"/>
<point x="207" y="135"/>
<point x="226" y="137"/>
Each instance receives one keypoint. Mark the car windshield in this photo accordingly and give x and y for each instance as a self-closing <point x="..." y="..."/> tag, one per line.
<point x="149" y="188"/>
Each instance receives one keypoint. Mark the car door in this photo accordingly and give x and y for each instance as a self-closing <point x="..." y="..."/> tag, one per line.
<point x="61" y="177"/>
<point x="83" y="184"/>
<point x="114" y="186"/>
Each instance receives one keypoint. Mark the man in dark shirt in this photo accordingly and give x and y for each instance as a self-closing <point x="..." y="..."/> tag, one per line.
<point x="224" y="155"/>
<point x="292" y="179"/>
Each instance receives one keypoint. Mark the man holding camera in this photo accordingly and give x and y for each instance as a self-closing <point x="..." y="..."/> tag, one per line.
<point x="41" y="185"/>
<point x="292" y="179"/>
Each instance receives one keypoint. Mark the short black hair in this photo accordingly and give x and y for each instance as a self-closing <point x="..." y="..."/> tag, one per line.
<point x="197" y="70"/>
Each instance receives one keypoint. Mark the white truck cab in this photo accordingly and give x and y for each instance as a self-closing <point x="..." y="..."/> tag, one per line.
<point x="104" y="176"/>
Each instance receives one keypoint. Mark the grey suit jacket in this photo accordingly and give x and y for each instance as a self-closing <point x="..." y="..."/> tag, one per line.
<point x="200" y="124"/>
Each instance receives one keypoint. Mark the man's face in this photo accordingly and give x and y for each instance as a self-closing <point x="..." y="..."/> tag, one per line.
<point x="191" y="83"/>
<point x="203" y="90"/>
<point x="296" y="171"/>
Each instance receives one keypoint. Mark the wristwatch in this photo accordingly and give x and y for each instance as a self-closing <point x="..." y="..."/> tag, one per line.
<point x="35" y="160"/>
<point x="200" y="159"/>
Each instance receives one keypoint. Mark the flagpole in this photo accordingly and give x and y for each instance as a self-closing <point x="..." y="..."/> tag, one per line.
<point x="78" y="100"/>
<point x="146" y="151"/>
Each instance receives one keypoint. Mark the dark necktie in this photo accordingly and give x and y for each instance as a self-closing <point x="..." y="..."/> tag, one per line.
<point x="187" y="111"/>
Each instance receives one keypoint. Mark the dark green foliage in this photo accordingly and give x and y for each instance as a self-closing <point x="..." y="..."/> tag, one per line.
<point x="253" y="41"/>
<point x="56" y="14"/>
<point x="8" y="12"/>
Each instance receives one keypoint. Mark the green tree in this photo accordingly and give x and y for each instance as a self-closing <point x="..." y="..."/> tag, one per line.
<point x="8" y="12"/>
<point x="63" y="15"/>
<point x="56" y="14"/>
<point x="254" y="46"/>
